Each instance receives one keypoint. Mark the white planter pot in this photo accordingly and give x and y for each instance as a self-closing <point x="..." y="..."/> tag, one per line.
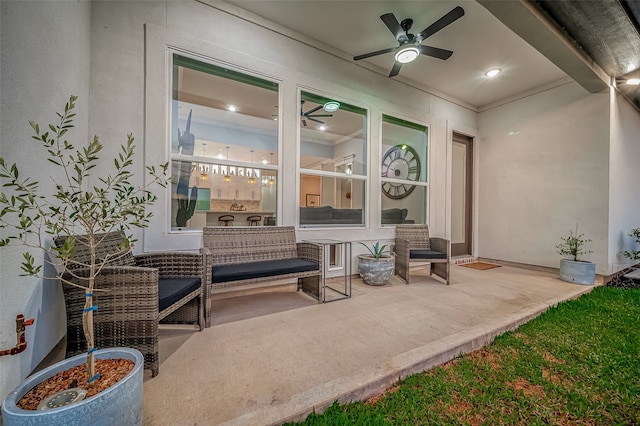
<point x="578" y="272"/>
<point x="121" y="404"/>
<point x="375" y="271"/>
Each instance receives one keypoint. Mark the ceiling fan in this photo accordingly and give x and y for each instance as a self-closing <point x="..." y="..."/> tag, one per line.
<point x="409" y="46"/>
<point x="310" y="114"/>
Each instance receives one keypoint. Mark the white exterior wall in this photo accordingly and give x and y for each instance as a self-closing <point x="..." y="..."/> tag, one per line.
<point x="121" y="104"/>
<point x="543" y="167"/>
<point x="45" y="59"/>
<point x="624" y="175"/>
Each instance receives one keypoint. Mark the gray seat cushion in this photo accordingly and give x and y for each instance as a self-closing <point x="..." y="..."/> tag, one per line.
<point x="170" y="290"/>
<point x="260" y="269"/>
<point x="426" y="254"/>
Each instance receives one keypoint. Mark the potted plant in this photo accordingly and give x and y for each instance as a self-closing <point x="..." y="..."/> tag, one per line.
<point x="573" y="269"/>
<point x="81" y="212"/>
<point x="376" y="268"/>
<point x="633" y="254"/>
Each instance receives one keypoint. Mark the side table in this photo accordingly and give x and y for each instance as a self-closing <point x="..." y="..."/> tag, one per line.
<point x="342" y="292"/>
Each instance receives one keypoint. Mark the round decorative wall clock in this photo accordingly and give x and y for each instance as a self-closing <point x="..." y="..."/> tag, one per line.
<point x="400" y="162"/>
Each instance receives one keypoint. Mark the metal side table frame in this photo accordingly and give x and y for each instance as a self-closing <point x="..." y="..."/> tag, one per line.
<point x="345" y="247"/>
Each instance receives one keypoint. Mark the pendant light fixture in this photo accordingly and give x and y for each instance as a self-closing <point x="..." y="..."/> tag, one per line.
<point x="271" y="180"/>
<point x="227" y="178"/>
<point x="252" y="179"/>
<point x="203" y="175"/>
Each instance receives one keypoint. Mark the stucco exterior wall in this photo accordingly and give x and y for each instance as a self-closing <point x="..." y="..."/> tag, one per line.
<point x="45" y="58"/>
<point x="624" y="175"/>
<point x="130" y="92"/>
<point x="543" y="167"/>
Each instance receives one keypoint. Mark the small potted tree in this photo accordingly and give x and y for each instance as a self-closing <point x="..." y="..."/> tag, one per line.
<point x="82" y="213"/>
<point x="573" y="269"/>
<point x="633" y="254"/>
<point x="377" y="267"/>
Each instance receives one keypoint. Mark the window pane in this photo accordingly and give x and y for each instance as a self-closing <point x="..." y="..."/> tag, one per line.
<point x="224" y="140"/>
<point x="216" y="189"/>
<point x="329" y="201"/>
<point x="404" y="171"/>
<point x="333" y="136"/>
<point x="333" y="141"/>
<point x="411" y="209"/>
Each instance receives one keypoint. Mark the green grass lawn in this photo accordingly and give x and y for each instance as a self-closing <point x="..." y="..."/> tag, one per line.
<point x="576" y="364"/>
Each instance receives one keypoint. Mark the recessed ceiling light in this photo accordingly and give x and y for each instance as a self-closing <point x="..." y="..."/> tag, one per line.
<point x="633" y="81"/>
<point x="493" y="72"/>
<point x="232" y="108"/>
<point x="331" y="106"/>
<point x="322" y="127"/>
<point x="407" y="54"/>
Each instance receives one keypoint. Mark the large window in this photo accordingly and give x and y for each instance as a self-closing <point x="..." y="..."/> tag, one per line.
<point x="404" y="171"/>
<point x="333" y="169"/>
<point x="224" y="145"/>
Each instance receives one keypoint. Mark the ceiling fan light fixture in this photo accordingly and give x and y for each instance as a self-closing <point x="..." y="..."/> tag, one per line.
<point x="633" y="82"/>
<point x="493" y="72"/>
<point x="407" y="54"/>
<point x="331" y="106"/>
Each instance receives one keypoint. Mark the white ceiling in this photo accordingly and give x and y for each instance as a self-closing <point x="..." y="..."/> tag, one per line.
<point x="478" y="39"/>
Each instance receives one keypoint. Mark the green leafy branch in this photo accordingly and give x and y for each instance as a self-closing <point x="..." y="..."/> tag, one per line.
<point x="573" y="245"/>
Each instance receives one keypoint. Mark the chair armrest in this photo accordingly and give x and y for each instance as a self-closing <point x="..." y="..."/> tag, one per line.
<point x="440" y="244"/>
<point x="401" y="247"/>
<point x="173" y="264"/>
<point x="131" y="286"/>
<point x="310" y="251"/>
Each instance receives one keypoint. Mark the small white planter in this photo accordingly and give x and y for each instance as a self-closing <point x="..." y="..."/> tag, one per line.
<point x="578" y="272"/>
<point x="121" y="404"/>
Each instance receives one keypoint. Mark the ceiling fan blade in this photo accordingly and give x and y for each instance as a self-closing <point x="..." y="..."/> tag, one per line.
<point x="435" y="52"/>
<point x="396" y="69"/>
<point x="377" y="52"/>
<point x="456" y="13"/>
<point x="311" y="111"/>
<point x="317" y="121"/>
<point x="391" y="22"/>
<point x="319" y="115"/>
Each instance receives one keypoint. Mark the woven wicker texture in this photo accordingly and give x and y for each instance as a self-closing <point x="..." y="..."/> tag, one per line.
<point x="127" y="298"/>
<point x="236" y="245"/>
<point x="411" y="237"/>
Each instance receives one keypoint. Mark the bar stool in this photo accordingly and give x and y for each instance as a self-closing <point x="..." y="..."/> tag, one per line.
<point x="225" y="220"/>
<point x="254" y="220"/>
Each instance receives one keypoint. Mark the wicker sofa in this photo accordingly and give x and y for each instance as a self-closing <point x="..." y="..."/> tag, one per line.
<point x="236" y="256"/>
<point x="133" y="294"/>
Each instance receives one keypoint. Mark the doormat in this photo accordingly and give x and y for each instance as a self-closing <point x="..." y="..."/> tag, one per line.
<point x="480" y="265"/>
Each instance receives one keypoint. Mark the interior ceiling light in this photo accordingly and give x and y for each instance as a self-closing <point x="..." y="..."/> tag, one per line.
<point x="493" y="72"/>
<point x="633" y="81"/>
<point x="322" y="128"/>
<point x="331" y="106"/>
<point x="407" y="54"/>
<point x="232" y="108"/>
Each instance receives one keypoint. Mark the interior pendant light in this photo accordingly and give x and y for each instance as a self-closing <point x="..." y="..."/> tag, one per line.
<point x="227" y="178"/>
<point x="203" y="175"/>
<point x="252" y="179"/>
<point x="271" y="180"/>
<point x="407" y="54"/>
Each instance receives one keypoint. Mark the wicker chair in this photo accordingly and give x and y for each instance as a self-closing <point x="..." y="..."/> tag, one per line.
<point x="413" y="244"/>
<point x="133" y="294"/>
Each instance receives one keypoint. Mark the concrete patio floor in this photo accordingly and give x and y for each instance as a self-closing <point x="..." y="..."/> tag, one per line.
<point x="280" y="366"/>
